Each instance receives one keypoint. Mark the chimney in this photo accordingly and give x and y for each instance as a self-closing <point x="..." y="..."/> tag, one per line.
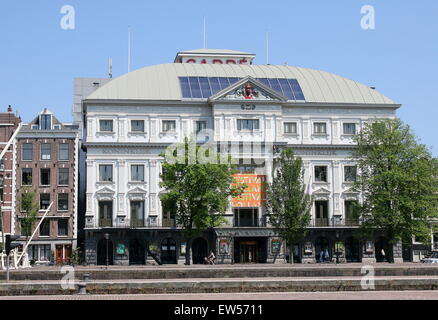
<point x="9" y="108"/>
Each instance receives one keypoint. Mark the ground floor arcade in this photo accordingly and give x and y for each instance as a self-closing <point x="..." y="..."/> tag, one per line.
<point x="114" y="246"/>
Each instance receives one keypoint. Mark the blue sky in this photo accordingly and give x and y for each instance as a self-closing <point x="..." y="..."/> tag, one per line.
<point x="38" y="59"/>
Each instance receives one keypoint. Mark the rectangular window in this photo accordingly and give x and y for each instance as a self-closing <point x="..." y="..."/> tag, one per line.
<point x="350" y="212"/>
<point x="320" y="128"/>
<point x="46" y="122"/>
<point x="62" y="227"/>
<point x="349" y="128"/>
<point x="321" y="173"/>
<point x="137" y="125"/>
<point x="63" y="177"/>
<point x="321" y="213"/>
<point x="200" y="125"/>
<point x="44" y="252"/>
<point x="106" y="125"/>
<point x="350" y="173"/>
<point x="45" y="177"/>
<point x="137" y="213"/>
<point x="27" y="151"/>
<point x="44" y="201"/>
<point x="169" y="125"/>
<point x="45" y="228"/>
<point x="248" y="124"/>
<point x="137" y="173"/>
<point x="105" y="172"/>
<point x="246" y="217"/>
<point x="26" y="176"/>
<point x="63" y="151"/>
<point x="62" y="201"/>
<point x="105" y="213"/>
<point x="46" y="151"/>
<point x="290" y="127"/>
<point x="32" y="252"/>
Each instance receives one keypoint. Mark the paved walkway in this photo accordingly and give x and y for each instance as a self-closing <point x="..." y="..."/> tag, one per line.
<point x="352" y="295"/>
<point x="229" y="266"/>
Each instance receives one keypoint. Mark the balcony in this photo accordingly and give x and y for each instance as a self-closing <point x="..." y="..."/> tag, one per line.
<point x="336" y="221"/>
<point x="104" y="223"/>
<point x="168" y="223"/>
<point x="137" y="223"/>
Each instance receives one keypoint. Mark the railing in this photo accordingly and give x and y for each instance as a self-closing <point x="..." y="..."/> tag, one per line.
<point x="168" y="223"/>
<point x="333" y="222"/>
<point x="105" y="223"/>
<point x="137" y="223"/>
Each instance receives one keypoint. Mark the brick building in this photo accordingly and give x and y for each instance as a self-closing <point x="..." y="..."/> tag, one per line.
<point x="46" y="162"/>
<point x="9" y="122"/>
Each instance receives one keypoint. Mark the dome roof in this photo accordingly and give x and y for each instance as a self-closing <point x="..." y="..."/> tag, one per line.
<point x="161" y="82"/>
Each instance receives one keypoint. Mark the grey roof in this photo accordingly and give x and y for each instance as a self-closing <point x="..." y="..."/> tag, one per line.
<point x="160" y="82"/>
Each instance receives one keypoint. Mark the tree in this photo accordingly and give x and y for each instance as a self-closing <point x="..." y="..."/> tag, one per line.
<point x="199" y="182"/>
<point x="398" y="181"/>
<point x="287" y="200"/>
<point x="29" y="209"/>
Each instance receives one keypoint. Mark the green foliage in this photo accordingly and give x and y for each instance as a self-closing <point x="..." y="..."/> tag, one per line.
<point x="29" y="209"/>
<point x="75" y="257"/>
<point x="287" y="200"/>
<point x="199" y="184"/>
<point x="398" y="180"/>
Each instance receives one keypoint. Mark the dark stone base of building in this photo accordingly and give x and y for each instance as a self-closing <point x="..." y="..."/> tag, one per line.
<point x="115" y="246"/>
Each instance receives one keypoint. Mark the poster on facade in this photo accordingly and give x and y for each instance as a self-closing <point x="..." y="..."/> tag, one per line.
<point x="308" y="248"/>
<point x="339" y="246"/>
<point x="182" y="249"/>
<point x="255" y="193"/>
<point x="369" y="247"/>
<point x="224" y="246"/>
<point x="120" y="248"/>
<point x="275" y="246"/>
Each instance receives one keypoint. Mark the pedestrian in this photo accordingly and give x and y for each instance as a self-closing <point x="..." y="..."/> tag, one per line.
<point x="321" y="256"/>
<point x="326" y="255"/>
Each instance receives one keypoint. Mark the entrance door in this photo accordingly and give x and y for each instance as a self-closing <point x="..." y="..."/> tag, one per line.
<point x="199" y="250"/>
<point x="352" y="250"/>
<point x="136" y="252"/>
<point x="168" y="251"/>
<point x="248" y="252"/>
<point x="59" y="253"/>
<point x="102" y="252"/>
<point x="386" y="254"/>
<point x="322" y="246"/>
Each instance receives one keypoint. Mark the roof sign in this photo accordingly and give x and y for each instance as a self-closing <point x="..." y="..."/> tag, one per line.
<point x="211" y="56"/>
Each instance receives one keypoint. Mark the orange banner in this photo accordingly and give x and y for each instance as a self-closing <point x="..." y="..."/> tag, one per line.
<point x="255" y="192"/>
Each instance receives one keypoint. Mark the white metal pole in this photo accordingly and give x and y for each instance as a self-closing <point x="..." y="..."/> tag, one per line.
<point x="34" y="232"/>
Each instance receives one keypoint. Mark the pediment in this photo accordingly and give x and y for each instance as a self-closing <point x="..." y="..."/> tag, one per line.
<point x="351" y="191"/>
<point x="247" y="90"/>
<point x="322" y="191"/>
<point x="105" y="190"/>
<point x="137" y="190"/>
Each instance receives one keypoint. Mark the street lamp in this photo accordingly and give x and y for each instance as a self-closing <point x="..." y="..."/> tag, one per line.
<point x="107" y="237"/>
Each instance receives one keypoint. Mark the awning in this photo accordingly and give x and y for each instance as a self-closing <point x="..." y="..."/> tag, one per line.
<point x="245" y="232"/>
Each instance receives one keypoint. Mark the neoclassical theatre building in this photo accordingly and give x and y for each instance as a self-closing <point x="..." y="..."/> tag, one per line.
<point x="251" y="111"/>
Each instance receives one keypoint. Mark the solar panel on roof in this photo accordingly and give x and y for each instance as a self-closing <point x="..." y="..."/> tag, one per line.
<point x="204" y="87"/>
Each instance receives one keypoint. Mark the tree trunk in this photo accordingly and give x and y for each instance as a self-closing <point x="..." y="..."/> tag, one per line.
<point x="188" y="251"/>
<point x="291" y="254"/>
